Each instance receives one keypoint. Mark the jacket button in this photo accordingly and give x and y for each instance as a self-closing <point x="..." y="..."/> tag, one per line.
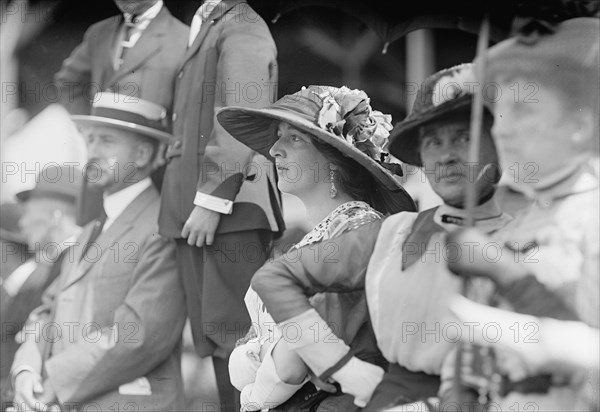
<point x="174" y="117"/>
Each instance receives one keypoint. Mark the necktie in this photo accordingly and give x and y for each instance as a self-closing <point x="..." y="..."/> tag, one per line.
<point x="417" y="240"/>
<point x="201" y="15"/>
<point x="96" y="230"/>
<point x="123" y="42"/>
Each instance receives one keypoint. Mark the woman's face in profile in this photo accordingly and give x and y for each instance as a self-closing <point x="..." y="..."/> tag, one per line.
<point x="301" y="168"/>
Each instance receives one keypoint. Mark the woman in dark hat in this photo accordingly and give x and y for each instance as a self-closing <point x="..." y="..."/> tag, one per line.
<point x="329" y="150"/>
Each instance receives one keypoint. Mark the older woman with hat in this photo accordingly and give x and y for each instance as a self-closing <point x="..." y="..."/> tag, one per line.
<point x="329" y="149"/>
<point x="406" y="283"/>
<point x="548" y="138"/>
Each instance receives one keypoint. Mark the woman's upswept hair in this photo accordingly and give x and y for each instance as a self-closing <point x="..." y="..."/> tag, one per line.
<point x="356" y="181"/>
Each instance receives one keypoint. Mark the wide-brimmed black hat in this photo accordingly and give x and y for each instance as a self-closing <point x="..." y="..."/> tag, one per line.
<point x="339" y="117"/>
<point x="443" y="94"/>
<point x="128" y="113"/>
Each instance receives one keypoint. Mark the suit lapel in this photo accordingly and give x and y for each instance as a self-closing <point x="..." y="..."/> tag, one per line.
<point x="117" y="229"/>
<point x="223" y="7"/>
<point x="81" y="241"/>
<point x="146" y="46"/>
<point x="107" y="44"/>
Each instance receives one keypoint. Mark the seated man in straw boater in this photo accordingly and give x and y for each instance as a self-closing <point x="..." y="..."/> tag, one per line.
<point x="109" y="329"/>
<point x="406" y="282"/>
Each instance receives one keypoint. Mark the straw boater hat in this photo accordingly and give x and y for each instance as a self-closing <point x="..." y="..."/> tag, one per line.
<point x="445" y="94"/>
<point x="340" y="117"/>
<point x="128" y="113"/>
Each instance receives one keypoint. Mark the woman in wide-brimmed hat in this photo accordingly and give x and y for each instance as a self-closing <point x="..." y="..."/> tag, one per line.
<point x="329" y="148"/>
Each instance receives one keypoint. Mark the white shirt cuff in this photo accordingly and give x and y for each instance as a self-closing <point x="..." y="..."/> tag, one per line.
<point x="213" y="203"/>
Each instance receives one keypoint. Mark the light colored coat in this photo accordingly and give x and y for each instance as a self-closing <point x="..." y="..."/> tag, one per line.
<point x="109" y="329"/>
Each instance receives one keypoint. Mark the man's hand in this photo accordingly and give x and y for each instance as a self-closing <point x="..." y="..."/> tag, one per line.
<point x="28" y="385"/>
<point x="201" y="226"/>
<point x="359" y="379"/>
<point x="159" y="158"/>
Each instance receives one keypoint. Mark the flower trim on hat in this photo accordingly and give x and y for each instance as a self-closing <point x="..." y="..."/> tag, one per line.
<point x="455" y="85"/>
<point x="347" y="113"/>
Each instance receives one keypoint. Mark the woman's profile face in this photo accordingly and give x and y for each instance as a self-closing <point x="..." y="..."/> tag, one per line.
<point x="301" y="168"/>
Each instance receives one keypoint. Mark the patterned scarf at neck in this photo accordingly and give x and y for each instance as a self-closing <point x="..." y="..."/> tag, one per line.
<point x="320" y="230"/>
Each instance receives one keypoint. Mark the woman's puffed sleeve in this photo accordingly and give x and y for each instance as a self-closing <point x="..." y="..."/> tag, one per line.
<point x="335" y="265"/>
<point x="285" y="285"/>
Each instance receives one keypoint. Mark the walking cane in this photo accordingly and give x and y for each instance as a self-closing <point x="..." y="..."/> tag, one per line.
<point x="463" y="395"/>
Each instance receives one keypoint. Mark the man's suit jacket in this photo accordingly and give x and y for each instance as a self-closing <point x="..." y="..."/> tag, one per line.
<point x="232" y="62"/>
<point x="113" y="317"/>
<point x="148" y="70"/>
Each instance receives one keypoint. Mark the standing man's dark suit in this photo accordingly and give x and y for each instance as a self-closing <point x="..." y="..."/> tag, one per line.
<point x="148" y="72"/>
<point x="231" y="62"/>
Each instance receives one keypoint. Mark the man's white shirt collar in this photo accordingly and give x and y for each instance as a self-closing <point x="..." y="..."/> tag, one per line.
<point x="145" y="17"/>
<point x="116" y="203"/>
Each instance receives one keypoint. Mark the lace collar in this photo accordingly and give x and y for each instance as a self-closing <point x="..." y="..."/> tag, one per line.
<point x="320" y="231"/>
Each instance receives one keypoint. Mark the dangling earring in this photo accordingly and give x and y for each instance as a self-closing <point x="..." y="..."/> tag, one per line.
<point x="332" y="189"/>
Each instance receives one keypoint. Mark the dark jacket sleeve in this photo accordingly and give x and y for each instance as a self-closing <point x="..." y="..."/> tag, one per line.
<point x="75" y="76"/>
<point x="336" y="265"/>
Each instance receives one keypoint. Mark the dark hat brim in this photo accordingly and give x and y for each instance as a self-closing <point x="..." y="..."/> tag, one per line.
<point x="25" y="195"/>
<point x="161" y="136"/>
<point x="9" y="236"/>
<point x="256" y="128"/>
<point x="404" y="137"/>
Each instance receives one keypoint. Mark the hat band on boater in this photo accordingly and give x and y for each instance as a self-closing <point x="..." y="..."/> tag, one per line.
<point x="129" y="117"/>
